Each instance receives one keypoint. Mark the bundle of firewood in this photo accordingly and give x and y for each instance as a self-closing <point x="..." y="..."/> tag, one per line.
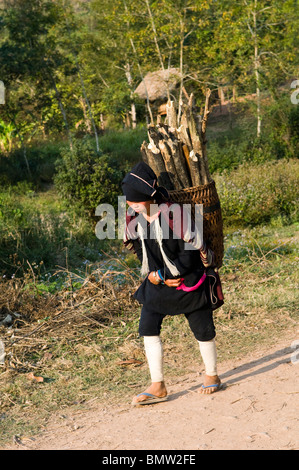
<point x="177" y="151"/>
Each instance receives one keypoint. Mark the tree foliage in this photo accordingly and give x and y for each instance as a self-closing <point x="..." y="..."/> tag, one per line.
<point x="68" y="65"/>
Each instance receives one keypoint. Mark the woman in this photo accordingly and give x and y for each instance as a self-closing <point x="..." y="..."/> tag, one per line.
<point x="173" y="260"/>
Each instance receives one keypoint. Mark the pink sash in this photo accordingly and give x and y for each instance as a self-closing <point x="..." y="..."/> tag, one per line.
<point x="190" y="289"/>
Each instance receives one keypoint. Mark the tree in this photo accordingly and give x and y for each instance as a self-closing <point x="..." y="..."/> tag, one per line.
<point x="29" y="55"/>
<point x="67" y="63"/>
<point x="108" y="57"/>
<point x="253" y="46"/>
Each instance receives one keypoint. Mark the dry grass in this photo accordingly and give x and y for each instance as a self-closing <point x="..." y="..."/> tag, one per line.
<point x="38" y="317"/>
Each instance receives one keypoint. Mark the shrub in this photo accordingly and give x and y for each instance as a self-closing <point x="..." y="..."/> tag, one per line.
<point x="257" y="194"/>
<point x="280" y="126"/>
<point x="87" y="178"/>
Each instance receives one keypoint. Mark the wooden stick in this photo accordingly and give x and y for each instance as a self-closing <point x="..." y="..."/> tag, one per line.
<point x="203" y="135"/>
<point x="156" y="162"/>
<point x="186" y="155"/>
<point x="169" y="164"/>
<point x="178" y="158"/>
<point x="171" y="115"/>
<point x="183" y="132"/>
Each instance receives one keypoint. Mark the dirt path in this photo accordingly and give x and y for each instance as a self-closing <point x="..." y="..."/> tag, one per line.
<point x="257" y="409"/>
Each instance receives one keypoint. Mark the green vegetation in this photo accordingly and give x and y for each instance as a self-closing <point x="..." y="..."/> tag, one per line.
<point x="232" y="141"/>
<point x="41" y="229"/>
<point x="258" y="194"/>
<point x="87" y="177"/>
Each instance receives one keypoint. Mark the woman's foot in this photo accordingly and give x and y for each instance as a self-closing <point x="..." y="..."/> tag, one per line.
<point x="157" y="389"/>
<point x="210" y="385"/>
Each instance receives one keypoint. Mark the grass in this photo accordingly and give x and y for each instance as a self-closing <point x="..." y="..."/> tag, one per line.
<point x="79" y="337"/>
<point x="40" y="228"/>
<point x="124" y="145"/>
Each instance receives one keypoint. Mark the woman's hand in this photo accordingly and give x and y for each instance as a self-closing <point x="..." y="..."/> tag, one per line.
<point x="173" y="282"/>
<point x="154" y="278"/>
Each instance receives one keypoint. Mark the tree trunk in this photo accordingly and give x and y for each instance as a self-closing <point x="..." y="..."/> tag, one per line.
<point x="83" y="88"/>
<point x="254" y="34"/>
<point x="102" y="122"/>
<point x="57" y="94"/>
<point x="133" y="114"/>
<point x="86" y="118"/>
<point x="156" y="162"/>
<point x="130" y="83"/>
<point x="257" y="75"/>
<point x="181" y="72"/>
<point x="157" y="44"/>
<point x="140" y="70"/>
<point x="89" y="110"/>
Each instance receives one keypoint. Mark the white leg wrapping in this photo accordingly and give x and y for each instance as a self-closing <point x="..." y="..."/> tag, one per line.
<point x="154" y="354"/>
<point x="209" y="356"/>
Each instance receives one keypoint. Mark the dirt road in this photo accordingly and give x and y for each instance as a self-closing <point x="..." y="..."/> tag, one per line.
<point x="257" y="409"/>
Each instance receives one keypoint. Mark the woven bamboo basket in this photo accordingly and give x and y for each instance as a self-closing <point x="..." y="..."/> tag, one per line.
<point x="212" y="217"/>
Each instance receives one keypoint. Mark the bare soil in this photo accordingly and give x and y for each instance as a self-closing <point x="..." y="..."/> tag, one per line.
<point x="257" y="409"/>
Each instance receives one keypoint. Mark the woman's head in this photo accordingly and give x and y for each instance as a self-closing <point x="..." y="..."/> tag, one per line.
<point x="140" y="185"/>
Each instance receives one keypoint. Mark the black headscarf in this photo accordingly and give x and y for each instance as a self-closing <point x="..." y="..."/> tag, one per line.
<point x="140" y="184"/>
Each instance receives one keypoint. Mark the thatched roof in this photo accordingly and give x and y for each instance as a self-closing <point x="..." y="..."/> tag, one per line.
<point x="156" y="84"/>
